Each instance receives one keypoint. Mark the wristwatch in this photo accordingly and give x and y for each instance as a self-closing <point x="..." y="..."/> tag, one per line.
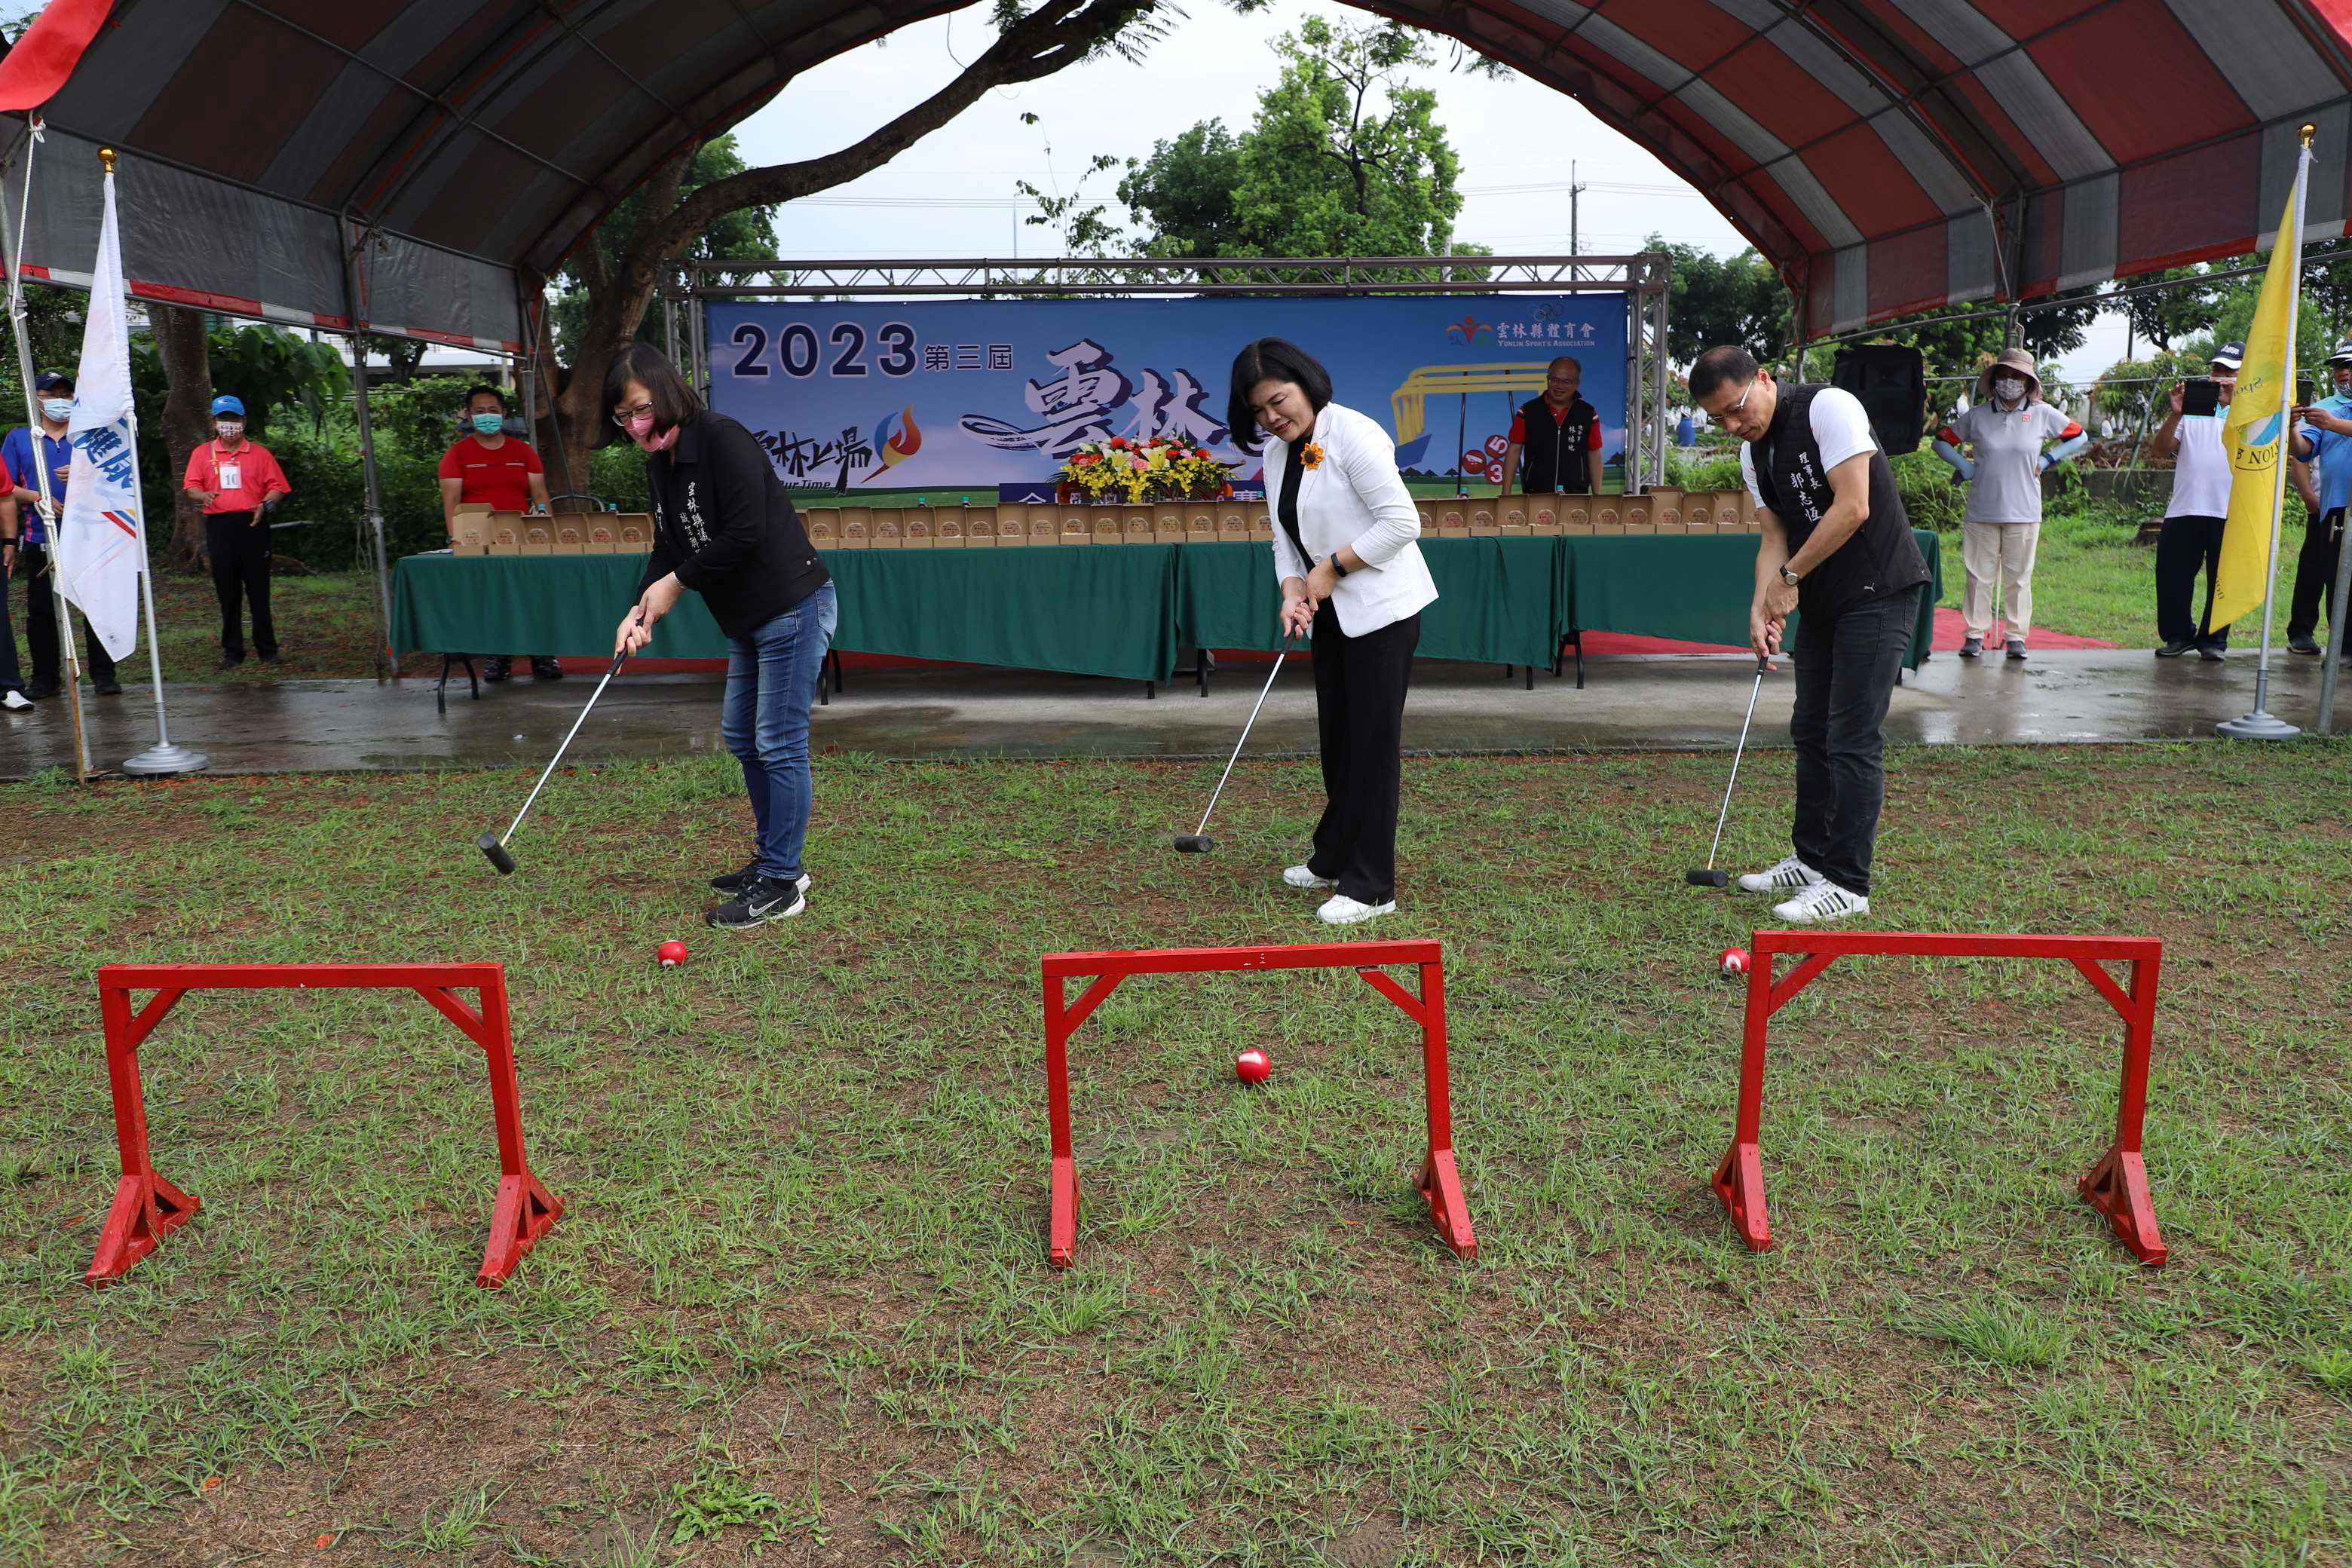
<point x="1788" y="576"/>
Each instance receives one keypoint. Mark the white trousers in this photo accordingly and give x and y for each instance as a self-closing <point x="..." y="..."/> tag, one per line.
<point x="2004" y="550"/>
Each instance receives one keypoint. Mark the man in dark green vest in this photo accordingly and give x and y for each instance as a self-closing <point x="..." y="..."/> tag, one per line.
<point x="1560" y="435"/>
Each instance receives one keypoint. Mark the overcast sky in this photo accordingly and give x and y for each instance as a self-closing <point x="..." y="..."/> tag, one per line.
<point x="951" y="195"/>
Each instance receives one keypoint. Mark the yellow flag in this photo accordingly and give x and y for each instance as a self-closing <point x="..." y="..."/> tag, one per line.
<point x="2256" y="421"/>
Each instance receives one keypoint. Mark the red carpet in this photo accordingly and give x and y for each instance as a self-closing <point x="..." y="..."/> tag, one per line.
<point x="1949" y="633"/>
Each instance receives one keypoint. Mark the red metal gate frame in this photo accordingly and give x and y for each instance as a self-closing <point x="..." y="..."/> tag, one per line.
<point x="2116" y="1186"/>
<point x="1440" y="1182"/>
<point x="147" y="1207"/>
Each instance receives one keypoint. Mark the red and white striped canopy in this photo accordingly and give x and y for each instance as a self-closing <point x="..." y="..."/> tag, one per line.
<point x="1886" y="155"/>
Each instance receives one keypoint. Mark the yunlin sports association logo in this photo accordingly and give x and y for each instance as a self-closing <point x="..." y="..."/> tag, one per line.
<point x="1469" y="329"/>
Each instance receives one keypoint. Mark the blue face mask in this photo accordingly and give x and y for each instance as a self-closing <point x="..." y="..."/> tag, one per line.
<point x="490" y="424"/>
<point x="57" y="408"/>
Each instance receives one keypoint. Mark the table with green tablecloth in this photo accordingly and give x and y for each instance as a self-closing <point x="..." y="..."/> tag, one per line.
<point x="1120" y="611"/>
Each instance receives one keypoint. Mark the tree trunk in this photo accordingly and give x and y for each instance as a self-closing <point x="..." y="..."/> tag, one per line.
<point x="185" y="349"/>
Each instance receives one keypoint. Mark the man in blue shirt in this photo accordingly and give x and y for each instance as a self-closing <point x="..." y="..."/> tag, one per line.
<point x="2331" y="453"/>
<point x="34" y="558"/>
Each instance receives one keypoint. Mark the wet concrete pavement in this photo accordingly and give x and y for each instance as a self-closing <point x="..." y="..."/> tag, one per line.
<point x="1676" y="703"/>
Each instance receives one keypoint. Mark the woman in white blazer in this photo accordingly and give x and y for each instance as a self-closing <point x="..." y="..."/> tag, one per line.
<point x="1354" y="582"/>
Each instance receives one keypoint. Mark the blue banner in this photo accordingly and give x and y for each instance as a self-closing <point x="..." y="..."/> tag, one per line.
<point x="977" y="394"/>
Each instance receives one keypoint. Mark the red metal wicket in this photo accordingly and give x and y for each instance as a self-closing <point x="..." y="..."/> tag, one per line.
<point x="2116" y="1186"/>
<point x="1440" y="1182"/>
<point x="147" y="1207"/>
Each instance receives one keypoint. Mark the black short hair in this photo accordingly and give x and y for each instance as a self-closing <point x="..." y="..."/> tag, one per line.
<point x="1725" y="363"/>
<point x="674" y="402"/>
<point x="484" y="390"/>
<point x="1272" y="359"/>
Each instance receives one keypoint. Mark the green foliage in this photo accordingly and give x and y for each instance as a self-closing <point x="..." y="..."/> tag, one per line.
<point x="1930" y="498"/>
<point x="1721" y="299"/>
<point x="747" y="233"/>
<point x="1182" y="196"/>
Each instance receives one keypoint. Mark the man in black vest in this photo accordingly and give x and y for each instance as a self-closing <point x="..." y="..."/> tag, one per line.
<point x="1837" y="548"/>
<point x="1559" y="433"/>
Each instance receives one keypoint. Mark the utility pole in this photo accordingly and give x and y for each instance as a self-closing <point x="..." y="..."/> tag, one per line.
<point x="1574" y="249"/>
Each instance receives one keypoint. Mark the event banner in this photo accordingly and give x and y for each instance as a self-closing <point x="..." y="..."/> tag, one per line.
<point x="983" y="393"/>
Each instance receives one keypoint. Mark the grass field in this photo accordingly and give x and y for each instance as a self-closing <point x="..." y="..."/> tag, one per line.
<point x="798" y="1310"/>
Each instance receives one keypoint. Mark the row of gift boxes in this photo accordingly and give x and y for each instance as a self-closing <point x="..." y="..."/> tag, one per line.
<point x="478" y="531"/>
<point x="1202" y="522"/>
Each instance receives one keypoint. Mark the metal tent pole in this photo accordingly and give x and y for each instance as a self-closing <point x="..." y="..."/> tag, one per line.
<point x="385" y="660"/>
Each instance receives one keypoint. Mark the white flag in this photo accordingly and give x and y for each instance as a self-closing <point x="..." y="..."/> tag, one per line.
<point x="101" y="545"/>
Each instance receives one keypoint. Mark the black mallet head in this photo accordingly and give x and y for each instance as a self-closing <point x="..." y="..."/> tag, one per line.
<point x="1707" y="878"/>
<point x="1195" y="844"/>
<point x="489" y="845"/>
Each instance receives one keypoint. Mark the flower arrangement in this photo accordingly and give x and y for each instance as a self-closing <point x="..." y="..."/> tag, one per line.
<point x="1120" y="472"/>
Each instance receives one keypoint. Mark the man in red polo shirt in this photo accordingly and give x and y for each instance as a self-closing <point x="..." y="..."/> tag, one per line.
<point x="489" y="468"/>
<point x="236" y="478"/>
<point x="1558" y="436"/>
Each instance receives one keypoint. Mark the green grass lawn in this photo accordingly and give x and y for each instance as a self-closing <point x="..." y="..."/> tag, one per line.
<point x="798" y="1301"/>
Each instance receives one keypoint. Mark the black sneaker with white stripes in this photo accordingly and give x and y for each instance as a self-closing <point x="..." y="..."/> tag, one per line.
<point x="735" y="881"/>
<point x="756" y="905"/>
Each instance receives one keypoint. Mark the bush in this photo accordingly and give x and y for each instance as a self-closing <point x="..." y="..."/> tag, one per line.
<point x="1930" y="498"/>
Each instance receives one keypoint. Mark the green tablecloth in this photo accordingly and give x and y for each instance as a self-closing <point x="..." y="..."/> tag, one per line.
<point x="1695" y="587"/>
<point x="1497" y="599"/>
<point x="1116" y="610"/>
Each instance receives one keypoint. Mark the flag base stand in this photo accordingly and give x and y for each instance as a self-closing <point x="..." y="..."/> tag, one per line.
<point x="166" y="758"/>
<point x="2258" y="725"/>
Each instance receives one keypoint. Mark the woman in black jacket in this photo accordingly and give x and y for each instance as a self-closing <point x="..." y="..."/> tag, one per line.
<point x="724" y="527"/>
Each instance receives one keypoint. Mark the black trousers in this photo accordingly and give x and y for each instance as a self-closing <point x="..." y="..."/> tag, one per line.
<point x="239" y="548"/>
<point x="35" y="565"/>
<point x="1359" y="686"/>
<point x="2186" y="544"/>
<point x="1847" y="666"/>
<point x="2315" y="574"/>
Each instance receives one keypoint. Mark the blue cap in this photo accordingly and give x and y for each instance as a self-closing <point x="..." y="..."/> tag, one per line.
<point x="227" y="404"/>
<point x="50" y="380"/>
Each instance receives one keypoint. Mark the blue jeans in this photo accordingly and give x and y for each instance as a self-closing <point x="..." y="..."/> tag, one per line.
<point x="771" y="677"/>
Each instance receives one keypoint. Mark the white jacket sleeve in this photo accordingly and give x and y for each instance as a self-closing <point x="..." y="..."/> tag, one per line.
<point x="1368" y="457"/>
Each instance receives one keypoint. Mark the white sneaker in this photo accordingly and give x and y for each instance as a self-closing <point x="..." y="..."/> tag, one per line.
<point x="1340" y="909"/>
<point x="1821" y="902"/>
<point x="16" y="701"/>
<point x="1790" y="876"/>
<point x="1300" y="877"/>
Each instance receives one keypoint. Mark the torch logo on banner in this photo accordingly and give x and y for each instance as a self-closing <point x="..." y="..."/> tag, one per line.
<point x="897" y="448"/>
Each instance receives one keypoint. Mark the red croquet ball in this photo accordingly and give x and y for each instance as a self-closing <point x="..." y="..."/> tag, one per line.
<point x="1734" y="960"/>
<point x="671" y="953"/>
<point x="1252" y="1066"/>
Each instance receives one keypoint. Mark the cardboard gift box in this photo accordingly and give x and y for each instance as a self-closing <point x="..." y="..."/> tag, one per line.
<point x="1452" y="521"/>
<point x="1013" y="522"/>
<point x="1607" y="515"/>
<point x="823" y="527"/>
<point x="1543" y="517"/>
<point x="538" y="536"/>
<point x="886" y="528"/>
<point x="1077" y="526"/>
<point x="1168" y="523"/>
<point x="1511" y="519"/>
<point x="1576" y="516"/>
<point x="914" y="524"/>
<point x="1261" y="522"/>
<point x="469" y="534"/>
<point x="570" y="535"/>
<point x="1200" y="523"/>
<point x="1106" y="524"/>
<point x="505" y="533"/>
<point x="950" y="527"/>
<point x="633" y="533"/>
<point x="1637" y="513"/>
<point x="1666" y="512"/>
<point x="979" y="527"/>
<point x="1481" y="519"/>
<point x="1428" y="511"/>
<point x="1232" y="525"/>
<point x="1137" y="525"/>
<point x="603" y="538"/>
<point x="1045" y="525"/>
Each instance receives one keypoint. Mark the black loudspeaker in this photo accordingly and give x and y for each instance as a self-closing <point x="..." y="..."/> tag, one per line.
<point x="1892" y="382"/>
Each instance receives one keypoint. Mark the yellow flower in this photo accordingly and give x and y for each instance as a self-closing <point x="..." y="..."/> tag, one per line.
<point x="1311" y="456"/>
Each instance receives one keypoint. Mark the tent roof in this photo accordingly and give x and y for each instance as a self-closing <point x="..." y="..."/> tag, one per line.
<point x="1887" y="155"/>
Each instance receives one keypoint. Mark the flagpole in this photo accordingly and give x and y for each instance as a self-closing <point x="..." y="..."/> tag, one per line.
<point x="2261" y="724"/>
<point x="52" y="514"/>
<point x="162" y="757"/>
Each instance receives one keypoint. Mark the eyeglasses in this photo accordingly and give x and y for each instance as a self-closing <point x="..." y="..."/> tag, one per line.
<point x="623" y="416"/>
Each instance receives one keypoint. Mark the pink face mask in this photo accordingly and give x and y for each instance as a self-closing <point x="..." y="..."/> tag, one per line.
<point x="641" y="431"/>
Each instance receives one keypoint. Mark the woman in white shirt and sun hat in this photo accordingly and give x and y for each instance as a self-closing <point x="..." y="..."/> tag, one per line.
<point x="1353" y="581"/>
<point x="2010" y="427"/>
